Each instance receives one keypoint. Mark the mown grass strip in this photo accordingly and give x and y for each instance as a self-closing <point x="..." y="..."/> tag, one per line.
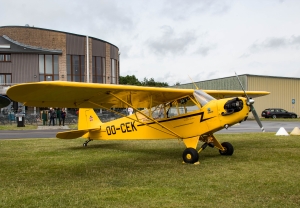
<point x="263" y="172"/>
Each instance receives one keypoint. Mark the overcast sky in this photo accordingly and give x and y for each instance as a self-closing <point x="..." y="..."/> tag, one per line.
<point x="170" y="40"/>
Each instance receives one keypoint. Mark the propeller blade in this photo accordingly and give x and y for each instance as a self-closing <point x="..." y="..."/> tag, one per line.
<point x="241" y="85"/>
<point x="257" y="118"/>
<point x="250" y="103"/>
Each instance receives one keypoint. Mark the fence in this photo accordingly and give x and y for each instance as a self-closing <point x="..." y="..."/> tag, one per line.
<point x="31" y="118"/>
<point x="9" y="118"/>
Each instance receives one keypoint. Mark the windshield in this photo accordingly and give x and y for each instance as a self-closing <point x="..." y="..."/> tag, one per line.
<point x="202" y="97"/>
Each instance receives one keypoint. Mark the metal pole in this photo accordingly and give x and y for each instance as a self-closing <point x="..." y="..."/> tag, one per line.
<point x="87" y="60"/>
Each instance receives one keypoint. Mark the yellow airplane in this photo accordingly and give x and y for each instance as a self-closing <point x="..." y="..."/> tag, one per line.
<point x="168" y="113"/>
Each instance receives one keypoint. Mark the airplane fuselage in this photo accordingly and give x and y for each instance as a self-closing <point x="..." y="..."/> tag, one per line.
<point x="210" y="118"/>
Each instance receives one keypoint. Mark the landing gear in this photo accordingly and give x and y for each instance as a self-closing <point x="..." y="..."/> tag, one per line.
<point x="86" y="142"/>
<point x="190" y="155"/>
<point x="228" y="149"/>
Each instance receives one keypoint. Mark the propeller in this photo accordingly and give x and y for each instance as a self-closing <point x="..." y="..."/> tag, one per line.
<point x="250" y="103"/>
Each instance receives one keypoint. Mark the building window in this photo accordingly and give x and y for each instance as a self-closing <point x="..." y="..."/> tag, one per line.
<point x="4" y="57"/>
<point x="48" y="67"/>
<point x="5" y="79"/>
<point x="98" y="69"/>
<point x="113" y="71"/>
<point x="75" y="68"/>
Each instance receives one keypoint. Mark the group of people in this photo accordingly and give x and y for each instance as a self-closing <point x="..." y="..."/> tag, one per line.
<point x="58" y="115"/>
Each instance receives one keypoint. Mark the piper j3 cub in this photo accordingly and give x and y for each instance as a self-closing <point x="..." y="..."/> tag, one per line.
<point x="190" y="115"/>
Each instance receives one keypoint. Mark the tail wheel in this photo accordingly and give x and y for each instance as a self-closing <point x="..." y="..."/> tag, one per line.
<point x="228" y="149"/>
<point x="190" y="155"/>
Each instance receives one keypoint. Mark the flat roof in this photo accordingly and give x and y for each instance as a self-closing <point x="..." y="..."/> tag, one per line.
<point x="240" y="75"/>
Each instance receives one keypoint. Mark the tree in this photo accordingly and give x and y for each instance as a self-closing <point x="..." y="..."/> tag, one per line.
<point x="151" y="82"/>
<point x="129" y="80"/>
<point x="132" y="80"/>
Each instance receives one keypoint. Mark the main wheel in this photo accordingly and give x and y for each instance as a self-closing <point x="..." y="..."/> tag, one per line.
<point x="228" y="149"/>
<point x="190" y="155"/>
<point x="274" y="116"/>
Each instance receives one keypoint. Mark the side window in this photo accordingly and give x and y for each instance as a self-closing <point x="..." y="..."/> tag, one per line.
<point x="5" y="79"/>
<point x="158" y="112"/>
<point x="4" y="57"/>
<point x="48" y="67"/>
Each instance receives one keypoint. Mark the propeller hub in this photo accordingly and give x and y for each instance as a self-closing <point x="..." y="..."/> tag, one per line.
<point x="250" y="101"/>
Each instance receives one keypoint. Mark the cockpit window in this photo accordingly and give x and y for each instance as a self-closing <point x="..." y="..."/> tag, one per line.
<point x="202" y="97"/>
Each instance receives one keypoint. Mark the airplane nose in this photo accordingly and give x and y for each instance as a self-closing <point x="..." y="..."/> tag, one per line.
<point x="250" y="102"/>
<point x="232" y="106"/>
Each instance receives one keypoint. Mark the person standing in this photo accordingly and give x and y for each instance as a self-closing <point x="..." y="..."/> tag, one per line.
<point x="52" y="116"/>
<point x="63" y="116"/>
<point x="58" y="116"/>
<point x="44" y="117"/>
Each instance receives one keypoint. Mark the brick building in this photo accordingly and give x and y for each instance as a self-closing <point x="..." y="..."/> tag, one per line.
<point x="30" y="54"/>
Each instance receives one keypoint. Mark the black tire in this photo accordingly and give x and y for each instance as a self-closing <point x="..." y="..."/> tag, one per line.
<point x="274" y="116"/>
<point x="228" y="149"/>
<point x="293" y="116"/>
<point x="190" y="155"/>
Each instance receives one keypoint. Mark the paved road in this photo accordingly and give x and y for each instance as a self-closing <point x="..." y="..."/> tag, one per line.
<point x="270" y="126"/>
<point x="247" y="126"/>
<point x="20" y="134"/>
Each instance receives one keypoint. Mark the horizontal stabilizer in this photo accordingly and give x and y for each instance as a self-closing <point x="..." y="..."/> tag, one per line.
<point x="73" y="134"/>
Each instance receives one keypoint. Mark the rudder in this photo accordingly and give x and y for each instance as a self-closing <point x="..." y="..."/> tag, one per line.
<point x="88" y="119"/>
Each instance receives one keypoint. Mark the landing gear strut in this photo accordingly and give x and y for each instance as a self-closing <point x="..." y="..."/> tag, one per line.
<point x="86" y="142"/>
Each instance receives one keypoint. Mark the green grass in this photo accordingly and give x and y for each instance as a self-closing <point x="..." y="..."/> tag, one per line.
<point x="28" y="127"/>
<point x="263" y="172"/>
<point x="14" y="127"/>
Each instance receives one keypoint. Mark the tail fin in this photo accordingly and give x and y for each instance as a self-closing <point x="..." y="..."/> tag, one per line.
<point x="88" y="119"/>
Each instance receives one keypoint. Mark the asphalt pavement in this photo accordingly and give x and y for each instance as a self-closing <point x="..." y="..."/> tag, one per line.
<point x="247" y="126"/>
<point x="269" y="126"/>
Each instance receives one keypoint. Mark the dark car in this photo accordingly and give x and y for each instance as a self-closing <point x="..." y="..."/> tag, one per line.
<point x="277" y="113"/>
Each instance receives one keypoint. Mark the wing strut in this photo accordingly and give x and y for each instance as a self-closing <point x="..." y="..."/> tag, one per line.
<point x="147" y="116"/>
<point x="170" y="133"/>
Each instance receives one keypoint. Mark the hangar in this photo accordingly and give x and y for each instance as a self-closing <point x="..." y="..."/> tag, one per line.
<point x="31" y="54"/>
<point x="284" y="90"/>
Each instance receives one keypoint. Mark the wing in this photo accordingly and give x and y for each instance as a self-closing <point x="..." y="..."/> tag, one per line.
<point x="219" y="94"/>
<point x="88" y="95"/>
<point x="91" y="95"/>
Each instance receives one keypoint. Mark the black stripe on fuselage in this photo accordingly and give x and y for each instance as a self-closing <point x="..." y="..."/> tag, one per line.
<point x="173" y="119"/>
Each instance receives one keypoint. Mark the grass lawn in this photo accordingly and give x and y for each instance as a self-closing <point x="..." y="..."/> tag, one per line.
<point x="264" y="171"/>
<point x="28" y="127"/>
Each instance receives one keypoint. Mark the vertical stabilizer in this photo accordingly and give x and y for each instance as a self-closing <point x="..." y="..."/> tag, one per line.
<point x="88" y="119"/>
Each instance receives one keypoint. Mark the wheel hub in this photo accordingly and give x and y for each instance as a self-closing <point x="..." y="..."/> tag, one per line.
<point x="188" y="156"/>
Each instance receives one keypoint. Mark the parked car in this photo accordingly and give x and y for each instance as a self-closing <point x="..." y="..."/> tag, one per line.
<point x="278" y="113"/>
